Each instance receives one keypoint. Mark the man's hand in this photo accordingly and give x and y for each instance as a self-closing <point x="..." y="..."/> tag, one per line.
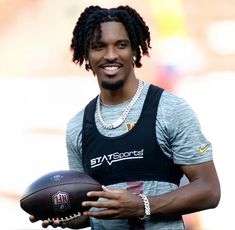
<point x="80" y="222"/>
<point x="117" y="203"/>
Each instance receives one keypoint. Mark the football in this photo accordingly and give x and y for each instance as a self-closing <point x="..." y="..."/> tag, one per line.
<point x="58" y="194"/>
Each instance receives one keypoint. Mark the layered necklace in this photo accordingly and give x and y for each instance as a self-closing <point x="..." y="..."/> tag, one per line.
<point x="124" y="115"/>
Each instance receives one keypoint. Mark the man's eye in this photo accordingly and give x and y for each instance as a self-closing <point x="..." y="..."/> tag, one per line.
<point x="97" y="46"/>
<point x="122" y="45"/>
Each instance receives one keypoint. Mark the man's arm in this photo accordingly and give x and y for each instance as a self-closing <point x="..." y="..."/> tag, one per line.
<point x="203" y="192"/>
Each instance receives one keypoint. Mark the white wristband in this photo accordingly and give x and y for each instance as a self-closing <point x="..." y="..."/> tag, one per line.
<point x="146" y="207"/>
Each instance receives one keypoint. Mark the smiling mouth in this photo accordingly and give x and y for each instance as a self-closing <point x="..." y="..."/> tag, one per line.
<point x="111" y="69"/>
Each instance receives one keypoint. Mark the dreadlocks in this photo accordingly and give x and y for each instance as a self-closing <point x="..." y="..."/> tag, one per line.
<point x="88" y="28"/>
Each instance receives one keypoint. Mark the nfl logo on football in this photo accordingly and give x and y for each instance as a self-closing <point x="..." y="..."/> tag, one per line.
<point x="61" y="201"/>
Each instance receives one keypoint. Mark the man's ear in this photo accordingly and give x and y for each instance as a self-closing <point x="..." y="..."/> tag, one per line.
<point x="134" y="55"/>
<point x="87" y="64"/>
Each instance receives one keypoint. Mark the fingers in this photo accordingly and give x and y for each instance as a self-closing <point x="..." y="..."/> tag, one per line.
<point x="106" y="193"/>
<point x="103" y="214"/>
<point x="107" y="206"/>
<point x="32" y="219"/>
<point x="56" y="223"/>
<point x="106" y="189"/>
<point x="100" y="204"/>
<point x="63" y="224"/>
<point x="45" y="223"/>
<point x="113" y="203"/>
<point x="97" y="194"/>
<point x="111" y="198"/>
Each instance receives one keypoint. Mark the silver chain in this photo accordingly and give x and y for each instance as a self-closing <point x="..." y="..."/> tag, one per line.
<point x="124" y="115"/>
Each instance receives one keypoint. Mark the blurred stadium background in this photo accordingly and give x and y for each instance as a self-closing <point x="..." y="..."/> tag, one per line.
<point x="193" y="55"/>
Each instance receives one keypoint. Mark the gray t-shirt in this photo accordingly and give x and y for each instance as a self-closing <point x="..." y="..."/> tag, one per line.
<point x="178" y="133"/>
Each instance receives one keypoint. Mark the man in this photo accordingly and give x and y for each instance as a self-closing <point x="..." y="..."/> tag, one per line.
<point x="134" y="138"/>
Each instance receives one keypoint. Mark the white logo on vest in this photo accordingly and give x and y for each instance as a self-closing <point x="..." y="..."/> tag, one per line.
<point x="115" y="157"/>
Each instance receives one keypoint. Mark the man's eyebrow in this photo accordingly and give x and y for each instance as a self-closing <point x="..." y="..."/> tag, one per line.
<point x="123" y="40"/>
<point x="126" y="40"/>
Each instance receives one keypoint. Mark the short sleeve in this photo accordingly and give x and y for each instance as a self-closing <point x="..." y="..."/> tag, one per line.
<point x="179" y="132"/>
<point x="74" y="142"/>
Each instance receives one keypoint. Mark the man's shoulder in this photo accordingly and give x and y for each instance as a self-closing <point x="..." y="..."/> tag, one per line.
<point x="170" y="102"/>
<point x="75" y="123"/>
<point x="171" y="98"/>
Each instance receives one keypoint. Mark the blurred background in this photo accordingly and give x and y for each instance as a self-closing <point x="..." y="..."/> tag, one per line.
<point x="192" y="55"/>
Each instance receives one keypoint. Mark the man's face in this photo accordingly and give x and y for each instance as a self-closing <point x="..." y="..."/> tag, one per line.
<point x="111" y="58"/>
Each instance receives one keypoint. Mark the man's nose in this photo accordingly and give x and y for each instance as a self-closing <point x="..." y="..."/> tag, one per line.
<point x="110" y="54"/>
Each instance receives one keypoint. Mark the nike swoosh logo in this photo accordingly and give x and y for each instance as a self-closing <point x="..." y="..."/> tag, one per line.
<point x="202" y="150"/>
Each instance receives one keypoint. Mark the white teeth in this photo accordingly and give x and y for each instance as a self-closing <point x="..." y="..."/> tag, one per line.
<point x="111" y="68"/>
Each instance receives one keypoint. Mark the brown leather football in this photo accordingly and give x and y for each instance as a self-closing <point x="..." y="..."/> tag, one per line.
<point x="58" y="194"/>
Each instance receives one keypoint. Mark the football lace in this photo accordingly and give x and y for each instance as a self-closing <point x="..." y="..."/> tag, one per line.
<point x="64" y="219"/>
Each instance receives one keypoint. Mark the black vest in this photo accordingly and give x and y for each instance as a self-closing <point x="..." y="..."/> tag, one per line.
<point x="133" y="156"/>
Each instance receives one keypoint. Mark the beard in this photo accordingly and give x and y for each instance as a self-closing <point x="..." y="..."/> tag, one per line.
<point x="112" y="86"/>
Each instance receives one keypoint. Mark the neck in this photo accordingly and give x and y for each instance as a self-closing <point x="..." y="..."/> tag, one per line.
<point x="124" y="115"/>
